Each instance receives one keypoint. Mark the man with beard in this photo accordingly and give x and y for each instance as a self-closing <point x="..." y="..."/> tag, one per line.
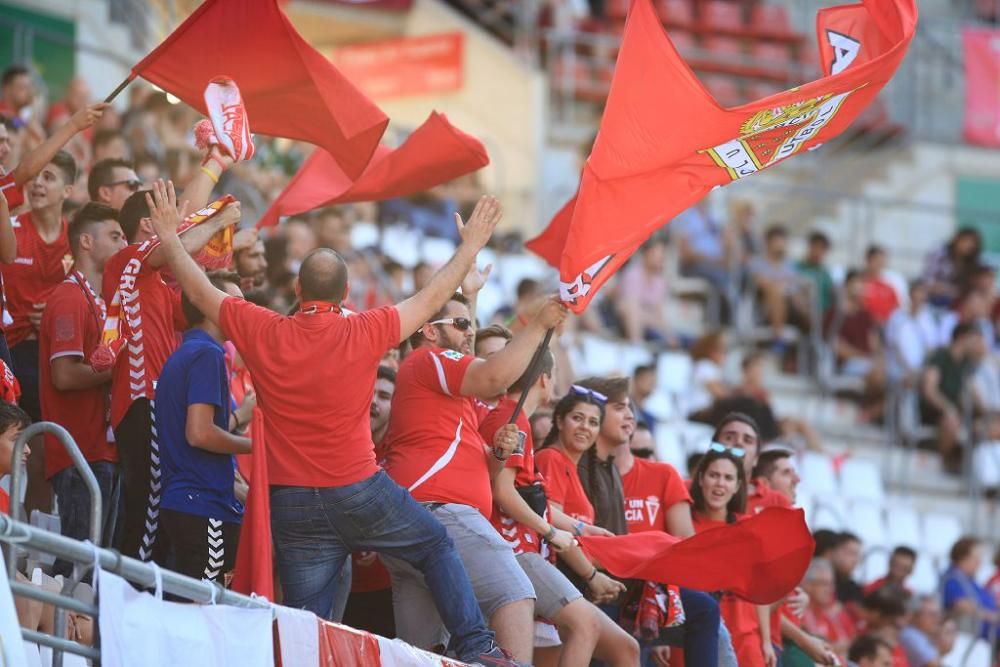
<point x="369" y="606"/>
<point x="249" y="259"/>
<point x="436" y="452"/>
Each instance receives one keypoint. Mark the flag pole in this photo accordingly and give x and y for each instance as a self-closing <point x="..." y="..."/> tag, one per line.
<point x="533" y="370"/>
<point x="120" y="88"/>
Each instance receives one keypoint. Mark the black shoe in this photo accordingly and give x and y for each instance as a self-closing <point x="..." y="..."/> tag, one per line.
<point x="498" y="657"/>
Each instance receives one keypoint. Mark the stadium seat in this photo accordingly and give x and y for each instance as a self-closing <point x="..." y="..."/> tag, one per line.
<point x="603" y="357"/>
<point x="683" y="41"/>
<point x="364" y="235"/>
<point x="696" y="436"/>
<point x="903" y="524"/>
<point x="512" y="269"/>
<point x="940" y="531"/>
<point x="632" y="356"/>
<point x="771" y="59"/>
<point x="925" y="575"/>
<point x="662" y="406"/>
<point x="721" y="14"/>
<point x="617" y="9"/>
<point x="816" y="471"/>
<point x="771" y="19"/>
<point x="675" y="13"/>
<point x="723" y="88"/>
<point x="727" y="50"/>
<point x="670" y="449"/>
<point x="986" y="464"/>
<point x="435" y="251"/>
<point x="873" y="564"/>
<point x="968" y="651"/>
<point x="828" y="512"/>
<point x="402" y="244"/>
<point x="673" y="373"/>
<point x="758" y="90"/>
<point x="861" y="479"/>
<point x="865" y="518"/>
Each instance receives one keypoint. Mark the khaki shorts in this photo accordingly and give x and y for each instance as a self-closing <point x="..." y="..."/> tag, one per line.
<point x="497" y="578"/>
<point x="553" y="590"/>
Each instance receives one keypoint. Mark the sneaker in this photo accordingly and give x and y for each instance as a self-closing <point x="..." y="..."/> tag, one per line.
<point x="229" y="118"/>
<point x="498" y="657"/>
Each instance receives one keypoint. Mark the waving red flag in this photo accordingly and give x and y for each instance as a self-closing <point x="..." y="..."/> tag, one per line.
<point x="436" y="152"/>
<point x="289" y="88"/>
<point x="760" y="559"/>
<point x="254" y="569"/>
<point x="664" y="142"/>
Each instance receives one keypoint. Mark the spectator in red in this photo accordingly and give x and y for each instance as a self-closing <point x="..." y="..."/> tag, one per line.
<point x="719" y="496"/>
<point x="885" y="617"/>
<point x="112" y="181"/>
<point x="369" y="606"/>
<point x="328" y="502"/>
<point x="739" y="432"/>
<point x="877" y="296"/>
<point x="74" y="379"/>
<point x="775" y="470"/>
<point x="522" y="516"/>
<point x="12" y="421"/>
<point x="870" y="651"/>
<point x="825" y="617"/>
<point x="857" y="347"/>
<point x="147" y="313"/>
<point x="901" y="563"/>
<point x="434" y="451"/>
<point x="845" y="556"/>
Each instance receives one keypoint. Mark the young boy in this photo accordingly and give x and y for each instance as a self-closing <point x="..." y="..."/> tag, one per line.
<point x="12" y="421"/>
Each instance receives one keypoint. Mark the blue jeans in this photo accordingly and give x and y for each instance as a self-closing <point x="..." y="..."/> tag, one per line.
<point x="74" y="506"/>
<point x="315" y="530"/>
<point x="701" y="627"/>
<point x="727" y="654"/>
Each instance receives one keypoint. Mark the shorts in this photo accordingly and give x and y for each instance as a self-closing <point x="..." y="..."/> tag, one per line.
<point x="553" y="591"/>
<point x="497" y="579"/>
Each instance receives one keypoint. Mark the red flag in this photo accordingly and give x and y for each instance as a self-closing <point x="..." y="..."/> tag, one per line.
<point x="982" y="88"/>
<point x="289" y="88"/>
<point x="254" y="570"/>
<point x="664" y="142"/>
<point x="436" y="152"/>
<point x="760" y="559"/>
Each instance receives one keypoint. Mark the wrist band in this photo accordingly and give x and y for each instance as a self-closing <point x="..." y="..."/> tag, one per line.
<point x="549" y="535"/>
<point x="578" y="528"/>
<point x="239" y="425"/>
<point x="215" y="179"/>
<point x="592" y="575"/>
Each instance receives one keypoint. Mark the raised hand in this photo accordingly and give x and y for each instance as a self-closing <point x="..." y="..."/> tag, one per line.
<point x="477" y="231"/>
<point x="162" y="202"/>
<point x="552" y="314"/>
<point x="88" y="116"/>
<point x="475" y="279"/>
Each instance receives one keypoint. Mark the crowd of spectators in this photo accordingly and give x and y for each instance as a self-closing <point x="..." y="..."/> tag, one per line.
<point x="74" y="182"/>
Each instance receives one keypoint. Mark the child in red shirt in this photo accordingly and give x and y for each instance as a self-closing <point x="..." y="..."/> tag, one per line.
<point x="12" y="421"/>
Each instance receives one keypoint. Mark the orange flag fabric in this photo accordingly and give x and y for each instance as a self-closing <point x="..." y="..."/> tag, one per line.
<point x="435" y="153"/>
<point x="289" y="88"/>
<point x="664" y="142"/>
<point x="759" y="559"/>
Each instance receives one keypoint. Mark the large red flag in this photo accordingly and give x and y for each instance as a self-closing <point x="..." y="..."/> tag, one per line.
<point x="254" y="570"/>
<point x="760" y="559"/>
<point x="289" y="88"/>
<point x="664" y="142"/>
<point x="436" y="152"/>
<point x="982" y="85"/>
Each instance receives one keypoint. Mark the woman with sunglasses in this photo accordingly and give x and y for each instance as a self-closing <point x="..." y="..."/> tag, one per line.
<point x="719" y="497"/>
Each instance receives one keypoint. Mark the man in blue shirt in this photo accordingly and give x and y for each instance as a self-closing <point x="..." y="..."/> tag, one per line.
<point x="199" y="508"/>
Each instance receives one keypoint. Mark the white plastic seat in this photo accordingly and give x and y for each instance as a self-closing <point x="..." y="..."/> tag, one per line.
<point x="861" y="479"/>
<point x="873" y="565"/>
<point x="696" y="436"/>
<point x="633" y="356"/>
<point x="816" y="471"/>
<point x="903" y="523"/>
<point x="673" y="376"/>
<point x="968" y="651"/>
<point x="924" y="579"/>
<point x="941" y="531"/>
<point x="364" y="235"/>
<point x="866" y="519"/>
<point x="435" y="251"/>
<point x="828" y="511"/>
<point x="402" y="245"/>
<point x="661" y="406"/>
<point x="601" y="356"/>
<point x="670" y="448"/>
<point x="512" y="269"/>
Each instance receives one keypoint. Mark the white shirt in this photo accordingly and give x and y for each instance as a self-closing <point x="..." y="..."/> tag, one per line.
<point x="704" y="371"/>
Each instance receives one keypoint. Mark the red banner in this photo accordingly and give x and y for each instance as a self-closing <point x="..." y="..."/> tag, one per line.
<point x="982" y="86"/>
<point x="407" y="66"/>
<point x="394" y="5"/>
<point x="664" y="142"/>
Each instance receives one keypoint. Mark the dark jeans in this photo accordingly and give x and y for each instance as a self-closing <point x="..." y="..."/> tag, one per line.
<point x="5" y="351"/>
<point x="372" y="611"/>
<point x="24" y="356"/>
<point x="139" y="455"/>
<point x="315" y="530"/>
<point x="74" y="506"/>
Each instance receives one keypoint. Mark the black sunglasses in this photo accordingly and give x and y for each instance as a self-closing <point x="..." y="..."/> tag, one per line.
<point x="460" y="323"/>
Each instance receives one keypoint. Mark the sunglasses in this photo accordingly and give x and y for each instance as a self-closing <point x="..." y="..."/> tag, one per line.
<point x="133" y="184"/>
<point x="583" y="391"/>
<point x="460" y="323"/>
<point x="737" y="452"/>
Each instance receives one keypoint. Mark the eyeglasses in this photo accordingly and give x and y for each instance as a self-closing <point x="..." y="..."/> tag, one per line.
<point x="133" y="184"/>
<point x="460" y="323"/>
<point x="583" y="391"/>
<point x="737" y="452"/>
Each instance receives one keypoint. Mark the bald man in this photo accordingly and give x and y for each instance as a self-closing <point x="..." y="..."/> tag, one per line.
<point x="315" y="375"/>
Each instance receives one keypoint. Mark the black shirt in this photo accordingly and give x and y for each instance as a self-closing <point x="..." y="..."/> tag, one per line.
<point x="602" y="483"/>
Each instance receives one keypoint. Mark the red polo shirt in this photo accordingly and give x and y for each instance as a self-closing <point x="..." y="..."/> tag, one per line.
<point x="37" y="270"/>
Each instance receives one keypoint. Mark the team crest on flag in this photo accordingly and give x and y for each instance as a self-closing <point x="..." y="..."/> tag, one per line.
<point x="580" y="286"/>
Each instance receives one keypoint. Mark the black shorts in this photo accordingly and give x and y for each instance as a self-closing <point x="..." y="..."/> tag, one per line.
<point x="201" y="547"/>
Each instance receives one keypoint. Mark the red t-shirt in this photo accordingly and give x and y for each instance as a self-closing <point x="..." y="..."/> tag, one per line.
<point x="369" y="578"/>
<point x="651" y="488"/>
<point x="38" y="268"/>
<point x="148" y="315"/>
<point x="71" y="327"/>
<point x="314" y="374"/>
<point x="521" y="538"/>
<point x="879" y="299"/>
<point x="740" y="616"/>
<point x="4" y="502"/>
<point x="14" y="194"/>
<point x="764" y="496"/>
<point x="433" y="447"/>
<point x="562" y="483"/>
<point x="834" y="625"/>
